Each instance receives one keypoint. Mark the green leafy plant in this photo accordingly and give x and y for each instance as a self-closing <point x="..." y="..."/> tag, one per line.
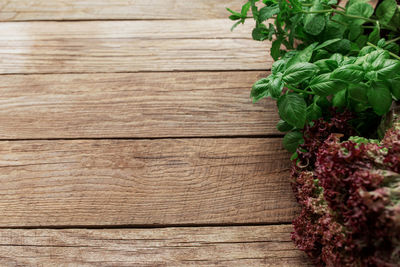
<point x="340" y="62"/>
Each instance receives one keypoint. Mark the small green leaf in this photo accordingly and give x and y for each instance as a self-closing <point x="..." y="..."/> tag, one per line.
<point x="267" y="12"/>
<point x="245" y="9"/>
<point x="234" y="12"/>
<point x="338" y="58"/>
<point x="386" y="10"/>
<point x="374" y="36"/>
<point x="379" y="97"/>
<point x="392" y="47"/>
<point x="235" y="25"/>
<point x="276" y="86"/>
<point x="292" y="109"/>
<point x="299" y="72"/>
<point x="365" y="50"/>
<point x="302" y="56"/>
<point x="260" y="33"/>
<point x="283" y="126"/>
<point x="376" y="59"/>
<point x="276" y="49"/>
<point x="260" y="89"/>
<point x="278" y="66"/>
<point x="339" y="99"/>
<point x="314" y="24"/>
<point x="360" y="9"/>
<point x="292" y="140"/>
<point x="354" y="31"/>
<point x="314" y="112"/>
<point x="348" y="73"/>
<point x="322" y="85"/>
<point x="327" y="43"/>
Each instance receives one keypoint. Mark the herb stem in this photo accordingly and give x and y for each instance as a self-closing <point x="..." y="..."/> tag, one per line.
<point x="340" y="22"/>
<point x="337" y="6"/>
<point x="354" y="16"/>
<point x="390" y="53"/>
<point x="393" y="40"/>
<point x="299" y="90"/>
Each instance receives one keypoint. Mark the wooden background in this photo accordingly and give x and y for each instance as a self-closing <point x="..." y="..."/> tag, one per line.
<point x="127" y="138"/>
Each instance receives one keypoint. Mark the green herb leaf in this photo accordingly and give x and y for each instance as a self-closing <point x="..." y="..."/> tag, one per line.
<point x="379" y="97"/>
<point x="260" y="89"/>
<point x="292" y="140"/>
<point x="358" y="92"/>
<point x="292" y="109"/>
<point x="327" y="43"/>
<point x="267" y="12"/>
<point x="374" y="36"/>
<point x="360" y="9"/>
<point x="278" y="66"/>
<point x="260" y="33"/>
<point x="299" y="72"/>
<point x="389" y="67"/>
<point x="314" y="23"/>
<point x="245" y="9"/>
<point x="283" y="126"/>
<point x="386" y="10"/>
<point x="322" y="85"/>
<point x="276" y="49"/>
<point x="339" y="99"/>
<point x="395" y="87"/>
<point x="314" y="112"/>
<point x="348" y="73"/>
<point x="276" y="86"/>
<point x="302" y="56"/>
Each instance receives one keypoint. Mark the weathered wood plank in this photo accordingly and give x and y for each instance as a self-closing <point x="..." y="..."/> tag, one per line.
<point x="200" y="246"/>
<point x="114" y="9"/>
<point x="129" y="46"/>
<point x="132" y="105"/>
<point x="144" y="182"/>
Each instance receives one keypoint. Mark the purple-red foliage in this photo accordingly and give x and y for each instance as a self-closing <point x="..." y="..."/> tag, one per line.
<point x="350" y="197"/>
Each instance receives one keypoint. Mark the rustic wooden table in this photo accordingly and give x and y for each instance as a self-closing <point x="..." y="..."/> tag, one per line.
<point x="128" y="138"/>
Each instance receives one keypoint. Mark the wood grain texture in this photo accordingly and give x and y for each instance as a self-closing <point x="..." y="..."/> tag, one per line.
<point x="129" y="46"/>
<point x="144" y="182"/>
<point x="178" y="104"/>
<point x="208" y="246"/>
<point x="114" y="9"/>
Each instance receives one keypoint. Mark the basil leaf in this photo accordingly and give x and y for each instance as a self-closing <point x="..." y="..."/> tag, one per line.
<point x="327" y="43"/>
<point x="389" y="67"/>
<point x="278" y="66"/>
<point x="322" y="85"/>
<point x="358" y="92"/>
<point x="299" y="72"/>
<point x="348" y="73"/>
<point x="260" y="89"/>
<point x="275" y="86"/>
<point x="386" y="10"/>
<point x="339" y="99"/>
<point x="302" y="56"/>
<point x="292" y="140"/>
<point x="314" y="112"/>
<point x="380" y="98"/>
<point x="292" y="109"/>
<point x="395" y="87"/>
<point x="283" y="126"/>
